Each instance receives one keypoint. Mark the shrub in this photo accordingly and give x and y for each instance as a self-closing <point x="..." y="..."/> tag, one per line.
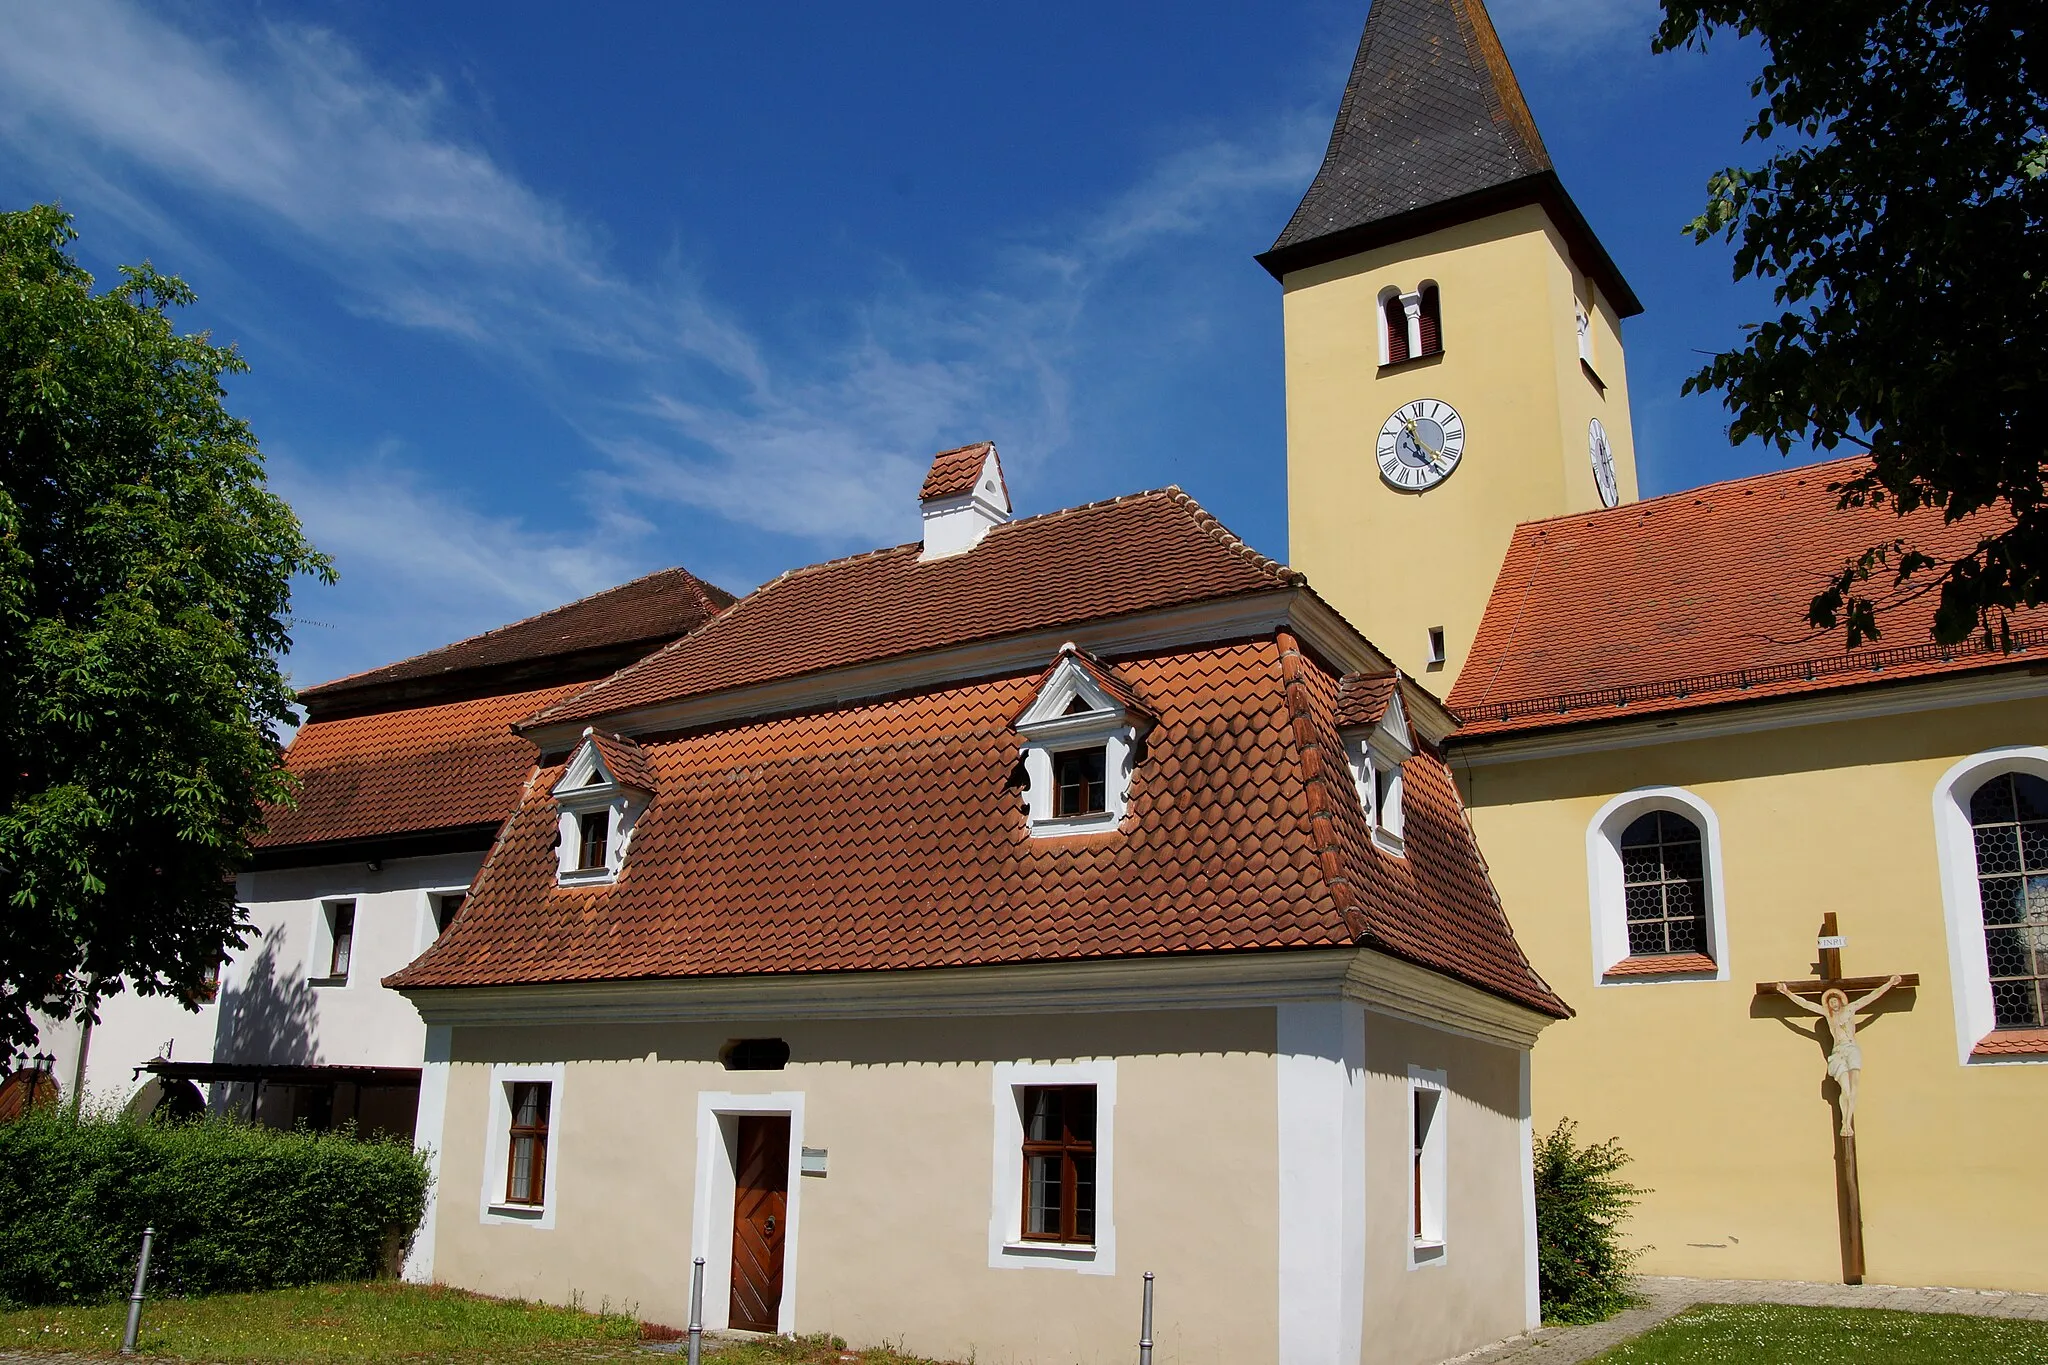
<point x="235" y="1207"/>
<point x="1581" y="1263"/>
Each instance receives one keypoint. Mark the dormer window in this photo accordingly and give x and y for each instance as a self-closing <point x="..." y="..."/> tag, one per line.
<point x="1378" y="743"/>
<point x="603" y="789"/>
<point x="1081" y="733"/>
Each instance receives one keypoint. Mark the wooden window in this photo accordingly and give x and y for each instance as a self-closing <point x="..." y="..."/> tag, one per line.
<point x="593" y="831"/>
<point x="1428" y="1158"/>
<point x="526" y="1171"/>
<point x="1664" y="888"/>
<point x="1397" y="329"/>
<point x="341" y="938"/>
<point x="1059" y="1163"/>
<point x="1080" y="781"/>
<point x="446" y="908"/>
<point x="2009" y="823"/>
<point x="1430" y="324"/>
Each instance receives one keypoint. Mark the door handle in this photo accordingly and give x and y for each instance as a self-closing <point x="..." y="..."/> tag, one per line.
<point x="771" y="1225"/>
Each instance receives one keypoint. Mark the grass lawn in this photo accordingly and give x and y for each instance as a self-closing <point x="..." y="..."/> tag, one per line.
<point x="1776" y="1334"/>
<point x="381" y="1321"/>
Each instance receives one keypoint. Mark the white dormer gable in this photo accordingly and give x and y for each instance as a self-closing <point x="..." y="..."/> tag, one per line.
<point x="596" y="809"/>
<point x="963" y="498"/>
<point x="1081" y="741"/>
<point x="1377" y="752"/>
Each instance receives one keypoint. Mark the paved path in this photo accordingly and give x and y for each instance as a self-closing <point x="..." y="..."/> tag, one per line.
<point x="1667" y="1296"/>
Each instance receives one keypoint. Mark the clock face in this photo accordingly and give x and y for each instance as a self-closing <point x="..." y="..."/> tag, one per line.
<point x="1603" y="464"/>
<point x="1421" y="444"/>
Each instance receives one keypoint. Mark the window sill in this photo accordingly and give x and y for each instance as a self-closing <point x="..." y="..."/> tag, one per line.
<point x="329" y="981"/>
<point x="2017" y="1043"/>
<point x="1413" y="362"/>
<point x="1062" y="825"/>
<point x="587" y="876"/>
<point x="1389" y="842"/>
<point x="1592" y="374"/>
<point x="1423" y="1254"/>
<point x="1679" y="966"/>
<point x="518" y="1213"/>
<point x="1052" y="1251"/>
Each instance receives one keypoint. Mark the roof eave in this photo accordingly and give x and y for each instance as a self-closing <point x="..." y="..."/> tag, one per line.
<point x="1543" y="188"/>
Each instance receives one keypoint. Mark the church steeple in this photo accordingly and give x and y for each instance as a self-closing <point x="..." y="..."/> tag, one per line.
<point x="1454" y="358"/>
<point x="1433" y="129"/>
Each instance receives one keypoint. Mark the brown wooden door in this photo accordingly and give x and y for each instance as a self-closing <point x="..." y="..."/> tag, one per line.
<point x="760" y="1202"/>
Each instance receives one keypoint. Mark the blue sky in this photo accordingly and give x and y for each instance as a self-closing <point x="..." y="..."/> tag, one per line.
<point x="538" y="298"/>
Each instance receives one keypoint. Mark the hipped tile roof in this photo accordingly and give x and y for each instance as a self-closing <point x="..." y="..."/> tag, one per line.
<point x="625" y="760"/>
<point x="1699" y="599"/>
<point x="887" y="835"/>
<point x="407" y="771"/>
<point x="954" y="472"/>
<point x="1432" y="113"/>
<point x="1106" y="559"/>
<point x="1362" y="698"/>
<point x="648" y="611"/>
<point x="1105" y="676"/>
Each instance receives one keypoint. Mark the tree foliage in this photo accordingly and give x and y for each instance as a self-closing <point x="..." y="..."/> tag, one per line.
<point x="1581" y="1265"/>
<point x="1903" y="213"/>
<point x="145" y="577"/>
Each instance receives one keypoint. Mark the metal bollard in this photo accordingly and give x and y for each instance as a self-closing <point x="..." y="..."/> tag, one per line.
<point x="1145" y="1332"/>
<point x="697" y="1310"/>
<point x="135" y="1299"/>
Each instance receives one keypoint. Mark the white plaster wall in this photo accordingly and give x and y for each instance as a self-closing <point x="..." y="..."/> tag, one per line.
<point x="266" y="1010"/>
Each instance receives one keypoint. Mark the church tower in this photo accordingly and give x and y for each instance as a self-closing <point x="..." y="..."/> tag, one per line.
<point x="1453" y="332"/>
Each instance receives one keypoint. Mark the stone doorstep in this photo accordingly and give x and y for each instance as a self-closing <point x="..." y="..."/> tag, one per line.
<point x="1670" y="1295"/>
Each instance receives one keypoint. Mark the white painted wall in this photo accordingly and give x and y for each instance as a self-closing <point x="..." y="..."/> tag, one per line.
<point x="267" y="1009"/>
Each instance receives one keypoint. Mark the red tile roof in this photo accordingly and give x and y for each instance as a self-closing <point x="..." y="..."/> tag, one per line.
<point x="407" y="771"/>
<point x="1106" y="559"/>
<point x="1699" y="599"/>
<point x="954" y="472"/>
<point x="623" y="759"/>
<point x="886" y="834"/>
<point x="1362" y="699"/>
<point x="634" y="617"/>
<point x="1105" y="676"/>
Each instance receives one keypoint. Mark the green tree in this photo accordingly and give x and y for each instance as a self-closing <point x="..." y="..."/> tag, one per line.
<point x="145" y="576"/>
<point x="1903" y="213"/>
<point x="1581" y="1266"/>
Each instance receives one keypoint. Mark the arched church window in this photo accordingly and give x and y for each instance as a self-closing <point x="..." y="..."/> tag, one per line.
<point x="1663" y="885"/>
<point x="1429" y="327"/>
<point x="1395" y="319"/>
<point x="2009" y="826"/>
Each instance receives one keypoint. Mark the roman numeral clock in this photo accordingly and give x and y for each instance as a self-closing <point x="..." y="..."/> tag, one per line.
<point x="1421" y="444"/>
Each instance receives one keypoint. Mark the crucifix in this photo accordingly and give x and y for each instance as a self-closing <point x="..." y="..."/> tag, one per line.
<point x="1836" y="999"/>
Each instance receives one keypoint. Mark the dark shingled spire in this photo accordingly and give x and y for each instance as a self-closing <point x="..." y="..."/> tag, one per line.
<point x="1433" y="129"/>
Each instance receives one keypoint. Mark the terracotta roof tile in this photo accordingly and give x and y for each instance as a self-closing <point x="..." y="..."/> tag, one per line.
<point x="406" y="771"/>
<point x="1105" y="559"/>
<point x="954" y="472"/>
<point x="1105" y="676"/>
<point x="624" y="759"/>
<point x="886" y="835"/>
<point x="647" y="611"/>
<point x="1362" y="699"/>
<point x="1699" y="599"/>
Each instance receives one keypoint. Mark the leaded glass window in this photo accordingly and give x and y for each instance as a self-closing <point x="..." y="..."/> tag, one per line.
<point x="1664" y="885"/>
<point x="2009" y="819"/>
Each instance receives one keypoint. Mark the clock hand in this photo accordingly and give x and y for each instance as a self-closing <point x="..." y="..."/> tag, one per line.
<point x="1416" y="436"/>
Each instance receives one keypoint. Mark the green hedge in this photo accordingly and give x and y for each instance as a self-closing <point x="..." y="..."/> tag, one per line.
<point x="234" y="1207"/>
<point x="1581" y="1202"/>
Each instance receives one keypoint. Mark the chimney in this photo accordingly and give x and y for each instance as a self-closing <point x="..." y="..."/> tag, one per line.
<point x="963" y="496"/>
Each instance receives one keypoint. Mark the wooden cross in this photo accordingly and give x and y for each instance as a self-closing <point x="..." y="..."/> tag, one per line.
<point x="1848" y="1184"/>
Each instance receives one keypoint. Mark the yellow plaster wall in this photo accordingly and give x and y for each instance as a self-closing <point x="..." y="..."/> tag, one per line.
<point x="1724" y="1106"/>
<point x="1397" y="563"/>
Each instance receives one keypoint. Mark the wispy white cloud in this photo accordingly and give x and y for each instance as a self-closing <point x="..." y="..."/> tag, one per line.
<point x="1548" y="30"/>
<point x="288" y="133"/>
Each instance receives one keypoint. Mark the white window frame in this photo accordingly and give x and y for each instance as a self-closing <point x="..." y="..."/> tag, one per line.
<point x="711" y="1229"/>
<point x="576" y="795"/>
<point x="492" y="1208"/>
<point x="1432" y="1246"/>
<point x="1047" y="730"/>
<point x="1605" y="887"/>
<point x="321" y="957"/>
<point x="1962" y="905"/>
<point x="1007" y="1249"/>
<point x="1382" y="751"/>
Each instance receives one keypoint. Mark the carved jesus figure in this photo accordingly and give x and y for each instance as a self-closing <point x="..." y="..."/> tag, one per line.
<point x="1845" y="1059"/>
